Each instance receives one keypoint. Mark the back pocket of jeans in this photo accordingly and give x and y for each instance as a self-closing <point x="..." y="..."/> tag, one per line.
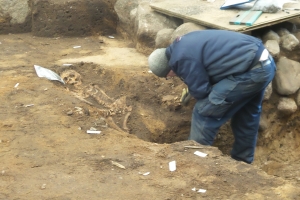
<point x="260" y="75"/>
<point x="214" y="106"/>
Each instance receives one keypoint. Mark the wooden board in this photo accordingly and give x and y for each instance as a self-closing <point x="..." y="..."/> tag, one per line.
<point x="210" y="15"/>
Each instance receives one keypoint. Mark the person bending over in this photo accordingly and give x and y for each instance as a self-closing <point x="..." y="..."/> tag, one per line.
<point x="227" y="73"/>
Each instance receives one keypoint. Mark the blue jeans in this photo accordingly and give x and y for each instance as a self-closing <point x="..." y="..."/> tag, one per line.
<point x="238" y="98"/>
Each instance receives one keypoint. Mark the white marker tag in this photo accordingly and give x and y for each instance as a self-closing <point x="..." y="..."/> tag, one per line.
<point x="198" y="153"/>
<point x="172" y="166"/>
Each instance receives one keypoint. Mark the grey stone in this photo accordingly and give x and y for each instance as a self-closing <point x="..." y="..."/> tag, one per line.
<point x="298" y="98"/>
<point x="287" y="78"/>
<point x="289" y="41"/>
<point x="163" y="38"/>
<point x="147" y="25"/>
<point x="271" y="35"/>
<point x="273" y="47"/>
<point x="268" y="92"/>
<point x="282" y="31"/>
<point x="297" y="35"/>
<point x="126" y="11"/>
<point x="133" y="14"/>
<point x="287" y="106"/>
<point x="186" y="28"/>
<point x="263" y="123"/>
<point x="15" y="16"/>
<point x="17" y="10"/>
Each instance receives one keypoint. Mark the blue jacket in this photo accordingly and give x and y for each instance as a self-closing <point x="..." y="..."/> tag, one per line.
<point x="203" y="58"/>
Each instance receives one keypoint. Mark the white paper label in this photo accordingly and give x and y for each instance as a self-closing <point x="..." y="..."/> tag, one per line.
<point x="172" y="166"/>
<point x="198" y="153"/>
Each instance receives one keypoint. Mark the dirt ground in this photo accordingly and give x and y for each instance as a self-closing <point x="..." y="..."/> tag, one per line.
<point x="46" y="152"/>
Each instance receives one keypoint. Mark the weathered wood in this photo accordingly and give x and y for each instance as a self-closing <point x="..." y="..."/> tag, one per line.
<point x="210" y="15"/>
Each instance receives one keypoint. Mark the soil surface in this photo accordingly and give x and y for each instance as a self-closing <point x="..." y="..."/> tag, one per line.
<point x="46" y="152"/>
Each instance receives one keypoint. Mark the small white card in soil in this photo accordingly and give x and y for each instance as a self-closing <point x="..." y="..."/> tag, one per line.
<point x="198" y="153"/>
<point x="172" y="166"/>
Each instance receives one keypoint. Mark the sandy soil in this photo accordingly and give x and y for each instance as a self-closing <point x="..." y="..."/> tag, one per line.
<point x="46" y="152"/>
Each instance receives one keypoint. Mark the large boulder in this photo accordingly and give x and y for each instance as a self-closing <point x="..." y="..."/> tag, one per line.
<point x="273" y="47"/>
<point x="163" y="38"/>
<point x="15" y="16"/>
<point x="287" y="79"/>
<point x="147" y="24"/>
<point x="126" y="11"/>
<point x="289" y="42"/>
<point x="186" y="28"/>
<point x="271" y="35"/>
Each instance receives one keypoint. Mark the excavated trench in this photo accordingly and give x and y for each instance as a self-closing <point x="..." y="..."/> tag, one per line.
<point x="149" y="107"/>
<point x="156" y="115"/>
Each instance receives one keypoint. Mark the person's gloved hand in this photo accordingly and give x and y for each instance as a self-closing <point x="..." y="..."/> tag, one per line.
<point x="185" y="97"/>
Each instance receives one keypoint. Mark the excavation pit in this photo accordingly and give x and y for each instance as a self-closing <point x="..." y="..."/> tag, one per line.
<point x="157" y="116"/>
<point x="46" y="152"/>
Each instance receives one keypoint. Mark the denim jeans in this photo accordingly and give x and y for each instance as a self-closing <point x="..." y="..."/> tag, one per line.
<point x="239" y="98"/>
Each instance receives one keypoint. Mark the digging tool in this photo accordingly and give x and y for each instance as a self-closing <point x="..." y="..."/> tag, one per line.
<point x="185" y="97"/>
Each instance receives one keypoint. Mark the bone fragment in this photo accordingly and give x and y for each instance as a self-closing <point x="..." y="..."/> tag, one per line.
<point x="118" y="165"/>
<point x="125" y="121"/>
<point x="112" y="124"/>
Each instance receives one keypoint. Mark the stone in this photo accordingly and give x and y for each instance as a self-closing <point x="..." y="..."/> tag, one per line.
<point x="289" y="41"/>
<point x="297" y="35"/>
<point x="126" y="11"/>
<point x="186" y="28"/>
<point x="70" y="112"/>
<point x="287" y="78"/>
<point x="163" y="38"/>
<point x="298" y="98"/>
<point x="287" y="106"/>
<point x="43" y="186"/>
<point x="271" y="35"/>
<point x="15" y="16"/>
<point x="282" y="31"/>
<point x="273" y="47"/>
<point x="147" y="24"/>
<point x="268" y="92"/>
<point x="263" y="123"/>
<point x="16" y="10"/>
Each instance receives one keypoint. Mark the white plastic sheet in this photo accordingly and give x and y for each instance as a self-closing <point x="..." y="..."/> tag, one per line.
<point x="46" y="73"/>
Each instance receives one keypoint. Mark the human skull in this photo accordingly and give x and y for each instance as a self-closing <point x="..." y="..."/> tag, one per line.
<point x="71" y="77"/>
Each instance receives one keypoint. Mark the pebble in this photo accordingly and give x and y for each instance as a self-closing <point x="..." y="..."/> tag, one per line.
<point x="43" y="186"/>
<point x="70" y="112"/>
<point x="93" y="129"/>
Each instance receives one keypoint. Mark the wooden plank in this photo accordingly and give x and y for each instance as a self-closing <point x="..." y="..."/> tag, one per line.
<point x="210" y="15"/>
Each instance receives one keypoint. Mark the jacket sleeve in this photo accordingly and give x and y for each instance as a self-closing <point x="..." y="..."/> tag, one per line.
<point x="194" y="76"/>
